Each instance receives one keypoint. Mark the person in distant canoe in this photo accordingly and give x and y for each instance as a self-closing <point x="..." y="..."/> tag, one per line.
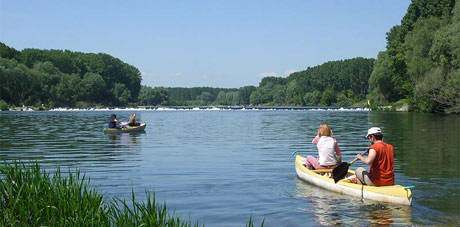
<point x="113" y="121"/>
<point x="328" y="150"/>
<point x="381" y="160"/>
<point x="132" y="120"/>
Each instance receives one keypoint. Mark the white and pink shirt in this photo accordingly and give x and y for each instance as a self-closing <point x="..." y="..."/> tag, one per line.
<point x="327" y="150"/>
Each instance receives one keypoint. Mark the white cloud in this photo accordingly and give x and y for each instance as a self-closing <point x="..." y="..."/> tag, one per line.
<point x="204" y="76"/>
<point x="179" y="74"/>
<point x="266" y="74"/>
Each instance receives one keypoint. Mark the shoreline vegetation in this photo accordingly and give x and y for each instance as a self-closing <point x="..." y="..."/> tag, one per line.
<point x="30" y="196"/>
<point x="191" y="108"/>
<point x="419" y="68"/>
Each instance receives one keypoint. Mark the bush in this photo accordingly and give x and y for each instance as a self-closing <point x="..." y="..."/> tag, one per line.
<point x="3" y="105"/>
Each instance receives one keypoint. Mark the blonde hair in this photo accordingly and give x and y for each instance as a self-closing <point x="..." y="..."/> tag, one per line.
<point x="324" y="130"/>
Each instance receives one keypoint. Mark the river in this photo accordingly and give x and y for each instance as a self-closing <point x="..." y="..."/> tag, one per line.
<point x="222" y="167"/>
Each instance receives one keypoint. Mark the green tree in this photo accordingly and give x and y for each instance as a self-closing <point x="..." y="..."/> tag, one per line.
<point x="342" y="100"/>
<point x="8" y="52"/>
<point x="205" y="98"/>
<point x="121" y="94"/>
<point x="244" y="94"/>
<point x="328" y="97"/>
<point x="94" y="89"/>
<point x="312" y="98"/>
<point x="65" y="92"/>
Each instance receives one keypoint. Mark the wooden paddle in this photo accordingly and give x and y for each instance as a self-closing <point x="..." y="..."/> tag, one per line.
<point x="339" y="172"/>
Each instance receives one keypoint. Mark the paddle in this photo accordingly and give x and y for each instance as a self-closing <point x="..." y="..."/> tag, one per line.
<point x="341" y="170"/>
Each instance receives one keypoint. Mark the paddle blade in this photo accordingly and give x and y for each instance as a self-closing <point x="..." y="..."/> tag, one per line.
<point x="340" y="171"/>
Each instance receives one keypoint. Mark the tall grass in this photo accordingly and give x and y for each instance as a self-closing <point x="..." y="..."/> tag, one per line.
<point x="30" y="196"/>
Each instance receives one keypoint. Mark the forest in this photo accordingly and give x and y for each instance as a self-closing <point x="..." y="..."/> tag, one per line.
<point x="421" y="63"/>
<point x="58" y="78"/>
<point x="420" y="68"/>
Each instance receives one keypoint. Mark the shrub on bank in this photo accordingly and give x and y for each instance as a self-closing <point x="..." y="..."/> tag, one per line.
<point x="3" y="105"/>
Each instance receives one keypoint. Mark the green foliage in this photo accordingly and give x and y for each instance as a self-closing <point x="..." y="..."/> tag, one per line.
<point x="312" y="98"/>
<point x="65" y="78"/>
<point x="227" y="98"/>
<point x="3" y="105"/>
<point x="422" y="59"/>
<point x="318" y="85"/>
<point x="343" y="100"/>
<point x="328" y="97"/>
<point x="205" y="97"/>
<point x="244" y="94"/>
<point x="153" y="96"/>
<point x="194" y="95"/>
<point x="121" y="94"/>
<point x="94" y="89"/>
<point x="8" y="52"/>
<point x="32" y="198"/>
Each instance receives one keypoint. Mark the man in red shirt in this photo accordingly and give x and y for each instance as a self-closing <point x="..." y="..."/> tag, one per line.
<point x="381" y="160"/>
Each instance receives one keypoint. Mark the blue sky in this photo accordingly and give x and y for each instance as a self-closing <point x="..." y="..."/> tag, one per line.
<point x="216" y="43"/>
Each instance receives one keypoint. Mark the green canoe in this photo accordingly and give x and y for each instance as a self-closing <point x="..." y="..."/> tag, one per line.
<point x="139" y="128"/>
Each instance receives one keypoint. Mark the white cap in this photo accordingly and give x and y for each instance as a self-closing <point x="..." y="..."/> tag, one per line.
<point x="373" y="130"/>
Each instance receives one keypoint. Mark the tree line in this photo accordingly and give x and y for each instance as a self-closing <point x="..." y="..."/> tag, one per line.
<point x="57" y="78"/>
<point x="34" y="77"/>
<point x="420" y="67"/>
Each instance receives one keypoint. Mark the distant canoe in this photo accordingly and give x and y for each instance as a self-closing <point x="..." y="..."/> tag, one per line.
<point x="321" y="178"/>
<point x="139" y="128"/>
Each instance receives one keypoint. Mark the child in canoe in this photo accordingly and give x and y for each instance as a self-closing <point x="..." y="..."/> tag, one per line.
<point x="328" y="150"/>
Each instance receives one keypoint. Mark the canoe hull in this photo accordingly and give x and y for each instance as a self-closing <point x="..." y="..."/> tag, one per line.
<point x="139" y="128"/>
<point x="392" y="194"/>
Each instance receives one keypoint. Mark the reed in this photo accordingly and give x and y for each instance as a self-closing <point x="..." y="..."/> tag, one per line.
<point x="29" y="196"/>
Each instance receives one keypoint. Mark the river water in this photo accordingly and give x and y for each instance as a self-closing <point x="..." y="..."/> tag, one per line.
<point x="222" y="167"/>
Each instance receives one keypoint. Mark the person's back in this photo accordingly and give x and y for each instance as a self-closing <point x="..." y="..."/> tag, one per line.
<point x="112" y="121"/>
<point x="132" y="120"/>
<point x="382" y="168"/>
<point x="326" y="151"/>
<point x="380" y="158"/>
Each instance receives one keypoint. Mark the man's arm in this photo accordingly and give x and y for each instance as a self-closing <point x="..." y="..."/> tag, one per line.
<point x="370" y="157"/>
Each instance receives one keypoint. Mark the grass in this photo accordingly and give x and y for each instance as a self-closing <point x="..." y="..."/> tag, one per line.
<point x="30" y="196"/>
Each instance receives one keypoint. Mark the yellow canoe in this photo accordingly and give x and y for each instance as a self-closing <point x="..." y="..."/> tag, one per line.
<point x="139" y="128"/>
<point x="322" y="178"/>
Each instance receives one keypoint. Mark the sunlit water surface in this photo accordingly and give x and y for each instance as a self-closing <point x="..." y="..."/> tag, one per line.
<point x="222" y="167"/>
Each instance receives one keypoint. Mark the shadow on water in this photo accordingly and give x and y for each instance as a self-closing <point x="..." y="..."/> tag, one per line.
<point x="330" y="208"/>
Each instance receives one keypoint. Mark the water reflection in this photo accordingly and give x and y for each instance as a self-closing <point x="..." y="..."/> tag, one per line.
<point x="124" y="140"/>
<point x="332" y="208"/>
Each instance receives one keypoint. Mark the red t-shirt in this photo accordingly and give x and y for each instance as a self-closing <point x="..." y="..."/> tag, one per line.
<point x="382" y="168"/>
